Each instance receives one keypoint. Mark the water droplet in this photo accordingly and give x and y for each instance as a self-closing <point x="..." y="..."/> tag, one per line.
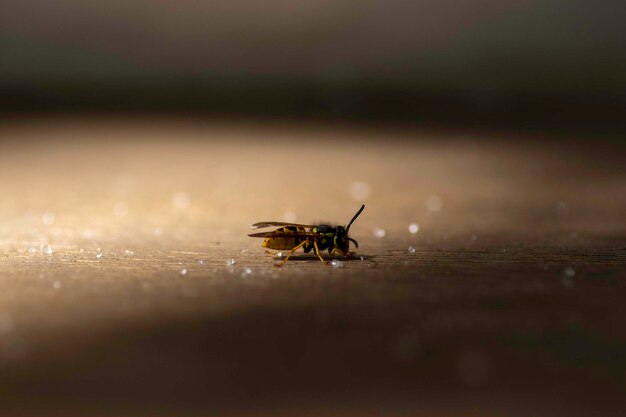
<point x="569" y="272"/>
<point x="289" y="217"/>
<point x="129" y="252"/>
<point x="362" y="258"/>
<point x="32" y="250"/>
<point x="379" y="232"/>
<point x="98" y="254"/>
<point x="181" y="200"/>
<point x="360" y="190"/>
<point x="183" y="271"/>
<point x="201" y="262"/>
<point x="248" y="271"/>
<point x="120" y="209"/>
<point x="411" y="249"/>
<point x="46" y="249"/>
<point x="336" y="264"/>
<point x="434" y="203"/>
<point x="47" y="218"/>
<point x="414" y="228"/>
<point x="567" y="280"/>
<point x="56" y="285"/>
<point x="231" y="262"/>
<point x="244" y="251"/>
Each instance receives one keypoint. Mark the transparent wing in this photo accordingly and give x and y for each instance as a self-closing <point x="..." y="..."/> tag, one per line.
<point x="283" y="234"/>
<point x="268" y="224"/>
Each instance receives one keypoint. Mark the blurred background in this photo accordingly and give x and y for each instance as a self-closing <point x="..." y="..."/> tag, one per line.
<point x="557" y="65"/>
<point x="139" y="140"/>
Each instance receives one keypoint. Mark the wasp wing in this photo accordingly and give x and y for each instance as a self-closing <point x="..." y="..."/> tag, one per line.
<point x="283" y="234"/>
<point x="268" y="224"/>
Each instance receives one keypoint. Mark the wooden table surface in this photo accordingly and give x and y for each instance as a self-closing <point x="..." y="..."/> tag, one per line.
<point x="118" y="296"/>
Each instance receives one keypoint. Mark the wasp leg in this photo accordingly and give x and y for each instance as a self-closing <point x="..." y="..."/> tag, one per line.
<point x="336" y="252"/>
<point x="290" y="253"/>
<point x="317" y="252"/>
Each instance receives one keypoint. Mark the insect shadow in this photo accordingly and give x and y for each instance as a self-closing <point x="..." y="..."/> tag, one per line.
<point x="304" y="258"/>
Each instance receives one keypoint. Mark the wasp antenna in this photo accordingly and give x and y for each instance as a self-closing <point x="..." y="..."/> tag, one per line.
<point x="354" y="218"/>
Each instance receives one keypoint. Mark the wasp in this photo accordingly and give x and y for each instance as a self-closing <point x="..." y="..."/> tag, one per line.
<point x="292" y="236"/>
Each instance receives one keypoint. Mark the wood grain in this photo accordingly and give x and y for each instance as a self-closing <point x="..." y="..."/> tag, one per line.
<point x="511" y="304"/>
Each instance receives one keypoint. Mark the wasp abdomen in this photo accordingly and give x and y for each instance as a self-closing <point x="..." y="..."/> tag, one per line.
<point x="285" y="238"/>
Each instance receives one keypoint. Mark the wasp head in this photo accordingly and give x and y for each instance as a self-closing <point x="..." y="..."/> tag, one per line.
<point x="342" y="241"/>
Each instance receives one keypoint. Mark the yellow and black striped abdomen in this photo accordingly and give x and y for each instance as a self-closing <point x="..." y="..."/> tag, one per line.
<point x="285" y="238"/>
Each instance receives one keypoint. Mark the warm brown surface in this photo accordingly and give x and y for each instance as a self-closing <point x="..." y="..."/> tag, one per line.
<point x="512" y="303"/>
